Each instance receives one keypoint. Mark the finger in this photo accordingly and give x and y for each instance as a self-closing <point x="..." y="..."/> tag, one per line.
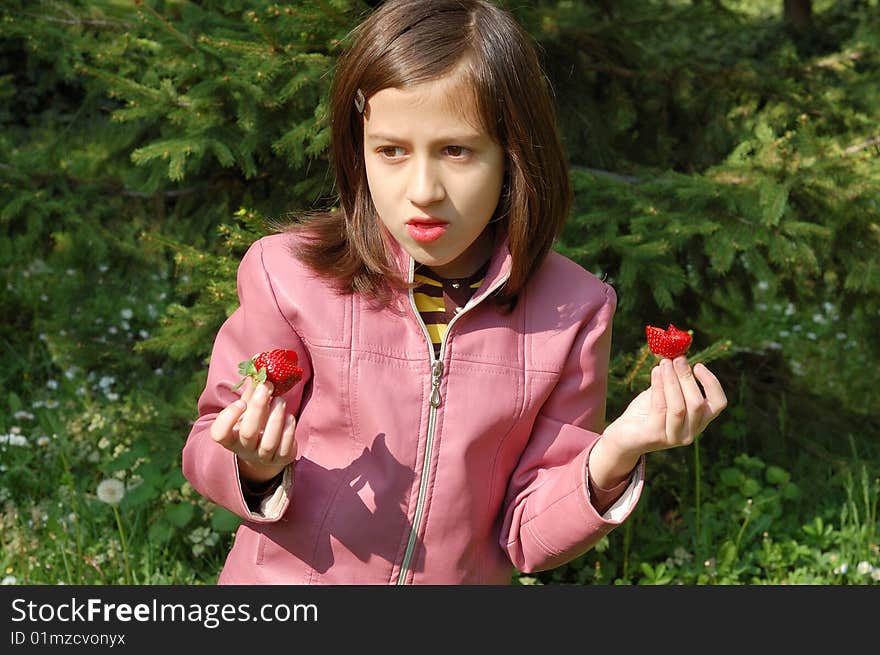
<point x="254" y="419"/>
<point x="222" y="428"/>
<point x="272" y="432"/>
<point x="715" y="396"/>
<point x="248" y="389"/>
<point x="693" y="396"/>
<point x="676" y="410"/>
<point x="287" y="450"/>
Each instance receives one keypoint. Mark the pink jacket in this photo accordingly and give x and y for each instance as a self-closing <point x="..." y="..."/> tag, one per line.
<point x="408" y="472"/>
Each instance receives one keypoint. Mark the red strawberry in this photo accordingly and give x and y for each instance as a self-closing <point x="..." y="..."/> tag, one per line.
<point x="670" y="343"/>
<point x="278" y="366"/>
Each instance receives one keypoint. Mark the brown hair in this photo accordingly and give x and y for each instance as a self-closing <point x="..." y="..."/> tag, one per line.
<point x="408" y="42"/>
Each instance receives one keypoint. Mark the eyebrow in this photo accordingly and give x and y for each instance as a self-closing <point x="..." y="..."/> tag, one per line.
<point x="452" y="138"/>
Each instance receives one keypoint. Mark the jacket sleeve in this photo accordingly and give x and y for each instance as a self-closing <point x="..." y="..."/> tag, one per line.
<point x="549" y="518"/>
<point x="257" y="324"/>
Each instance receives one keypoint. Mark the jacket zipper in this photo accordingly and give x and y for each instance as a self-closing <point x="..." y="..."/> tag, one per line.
<point x="436" y="364"/>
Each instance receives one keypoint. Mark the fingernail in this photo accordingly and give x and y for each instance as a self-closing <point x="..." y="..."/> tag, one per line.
<point x="262" y="392"/>
<point x="240" y="404"/>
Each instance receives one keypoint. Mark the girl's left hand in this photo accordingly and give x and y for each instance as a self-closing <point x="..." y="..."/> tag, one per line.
<point x="671" y="412"/>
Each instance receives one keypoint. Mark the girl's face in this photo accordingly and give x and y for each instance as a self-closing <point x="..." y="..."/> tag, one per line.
<point x="435" y="178"/>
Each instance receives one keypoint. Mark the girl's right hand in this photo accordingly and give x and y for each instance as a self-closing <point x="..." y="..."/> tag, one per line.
<point x="258" y="432"/>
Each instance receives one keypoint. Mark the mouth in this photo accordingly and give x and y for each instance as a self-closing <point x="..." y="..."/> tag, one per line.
<point x="425" y="230"/>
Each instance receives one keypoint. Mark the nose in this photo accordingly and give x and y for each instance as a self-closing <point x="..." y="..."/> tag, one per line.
<point x="425" y="186"/>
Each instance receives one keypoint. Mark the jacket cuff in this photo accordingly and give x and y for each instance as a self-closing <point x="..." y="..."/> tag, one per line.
<point x="551" y="527"/>
<point x="272" y="505"/>
<point x="619" y="499"/>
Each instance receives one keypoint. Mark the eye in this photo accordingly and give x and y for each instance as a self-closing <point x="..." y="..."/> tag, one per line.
<point x="391" y="152"/>
<point x="457" y="152"/>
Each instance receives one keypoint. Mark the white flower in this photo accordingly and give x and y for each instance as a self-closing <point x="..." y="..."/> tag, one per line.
<point x="50" y="404"/>
<point x="112" y="396"/>
<point x="52" y="384"/>
<point x="763" y="285"/>
<point x="875" y="574"/>
<point x="13" y="439"/>
<point x="23" y="415"/>
<point x="789" y="310"/>
<point x="811" y="336"/>
<point x="842" y="569"/>
<point x="43" y="440"/>
<point x="841" y="336"/>
<point x="106" y="381"/>
<point x="143" y="334"/>
<point x="113" y="329"/>
<point x="8" y="580"/>
<point x="864" y="568"/>
<point x="126" y="313"/>
<point x="111" y="491"/>
<point x="818" y="318"/>
<point x="103" y="268"/>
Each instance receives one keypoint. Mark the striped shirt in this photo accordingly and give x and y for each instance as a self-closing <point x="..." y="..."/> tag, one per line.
<point x="439" y="299"/>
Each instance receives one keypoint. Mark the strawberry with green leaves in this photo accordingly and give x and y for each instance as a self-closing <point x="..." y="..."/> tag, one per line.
<point x="670" y="342"/>
<point x="278" y="366"/>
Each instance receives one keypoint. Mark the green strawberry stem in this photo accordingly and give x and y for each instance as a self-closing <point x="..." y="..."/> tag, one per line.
<point x="249" y="369"/>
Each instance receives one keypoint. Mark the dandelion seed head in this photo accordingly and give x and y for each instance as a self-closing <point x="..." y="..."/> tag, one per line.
<point x="111" y="491"/>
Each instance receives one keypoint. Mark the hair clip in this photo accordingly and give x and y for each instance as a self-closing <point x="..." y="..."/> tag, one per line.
<point x="359" y="101"/>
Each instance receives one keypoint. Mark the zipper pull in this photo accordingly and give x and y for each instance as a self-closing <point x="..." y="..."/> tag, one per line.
<point x="436" y="374"/>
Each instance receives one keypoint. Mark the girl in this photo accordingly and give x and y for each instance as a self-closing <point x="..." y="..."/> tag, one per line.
<point x="449" y="423"/>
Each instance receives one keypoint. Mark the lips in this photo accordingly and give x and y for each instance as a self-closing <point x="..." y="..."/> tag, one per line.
<point x="425" y="230"/>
